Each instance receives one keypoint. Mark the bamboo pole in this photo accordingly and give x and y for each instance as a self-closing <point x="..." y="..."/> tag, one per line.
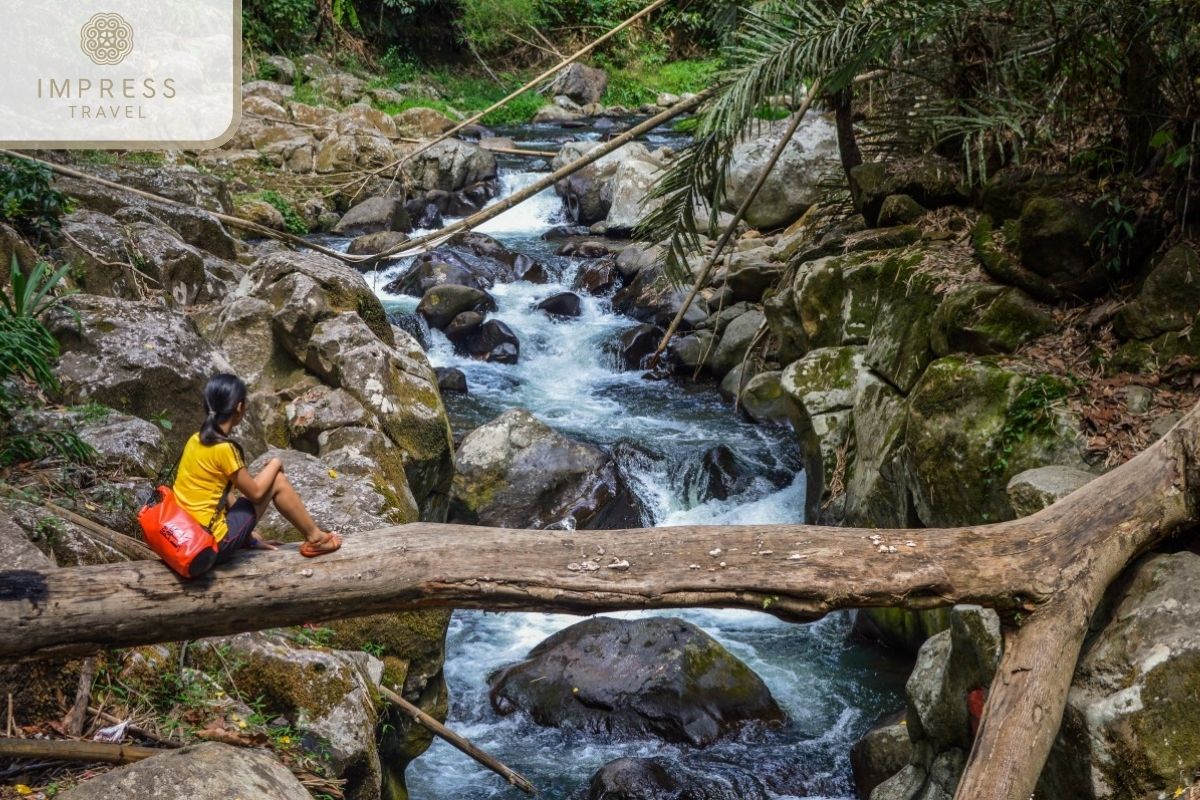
<point x="447" y="735"/>
<point x="731" y="228"/>
<point x="71" y="750"/>
<point x="578" y="54"/>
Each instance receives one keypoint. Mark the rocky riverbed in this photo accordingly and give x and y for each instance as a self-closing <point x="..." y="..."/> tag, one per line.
<point x="929" y="356"/>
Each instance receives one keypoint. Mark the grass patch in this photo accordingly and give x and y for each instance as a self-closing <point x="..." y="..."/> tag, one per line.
<point x="640" y="82"/>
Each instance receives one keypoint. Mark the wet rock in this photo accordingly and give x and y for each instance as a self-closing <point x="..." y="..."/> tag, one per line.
<point x="931" y="181"/>
<point x="985" y="319"/>
<point x="452" y="379"/>
<point x="197" y="772"/>
<point x="494" y="342"/>
<point x="424" y="214"/>
<point x="422" y="123"/>
<point x="588" y="193"/>
<point x="657" y="677"/>
<point x="412" y="324"/>
<point x="517" y="472"/>
<point x="142" y="358"/>
<point x="792" y="184"/>
<point x="1055" y="244"/>
<point x="584" y="250"/>
<point x="1130" y="727"/>
<point x="718" y="475"/>
<point x="637" y="344"/>
<point x="370" y="244"/>
<point x="668" y="779"/>
<point x="1035" y="489"/>
<point x="597" y="278"/>
<point x="374" y="215"/>
<point x="735" y="341"/>
<point x="649" y="297"/>
<point x="1168" y="298"/>
<point x="563" y="304"/>
<point x="441" y="304"/>
<point x="470" y="259"/>
<point x="881" y="753"/>
<point x="581" y="83"/>
<point x="564" y="232"/>
<point x="463" y="327"/>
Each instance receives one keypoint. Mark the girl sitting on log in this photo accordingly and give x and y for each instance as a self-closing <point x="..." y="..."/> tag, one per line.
<point x="212" y="463"/>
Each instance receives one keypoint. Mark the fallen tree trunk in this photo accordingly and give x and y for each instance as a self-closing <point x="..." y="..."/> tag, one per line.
<point x="1046" y="574"/>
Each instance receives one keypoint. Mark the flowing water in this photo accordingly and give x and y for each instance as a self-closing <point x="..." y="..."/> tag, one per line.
<point x="567" y="377"/>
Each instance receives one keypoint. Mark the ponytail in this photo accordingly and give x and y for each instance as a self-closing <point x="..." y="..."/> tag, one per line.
<point x="222" y="395"/>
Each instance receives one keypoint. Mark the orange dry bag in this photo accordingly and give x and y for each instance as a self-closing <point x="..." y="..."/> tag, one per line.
<point x="176" y="537"/>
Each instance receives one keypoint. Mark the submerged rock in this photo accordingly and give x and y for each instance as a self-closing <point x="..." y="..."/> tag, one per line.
<point x="197" y="772"/>
<point x="517" y="472"/>
<point x="452" y="379"/>
<point x="652" y="677"/>
<point x="669" y="779"/>
<point x="563" y="304"/>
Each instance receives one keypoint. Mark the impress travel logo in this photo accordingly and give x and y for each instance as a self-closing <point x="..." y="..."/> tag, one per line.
<point x="128" y="74"/>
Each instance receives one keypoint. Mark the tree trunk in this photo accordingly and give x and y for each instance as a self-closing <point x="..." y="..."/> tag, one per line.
<point x="843" y="107"/>
<point x="1047" y="573"/>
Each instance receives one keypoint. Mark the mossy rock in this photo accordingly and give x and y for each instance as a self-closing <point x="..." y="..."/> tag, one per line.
<point x="971" y="426"/>
<point x="1168" y="299"/>
<point x="899" y="628"/>
<point x="931" y="181"/>
<point x="900" y="209"/>
<point x="985" y="319"/>
<point x="1055" y="243"/>
<point x="1172" y="354"/>
<point x="995" y="251"/>
<point x="899" y="348"/>
<point x="835" y="301"/>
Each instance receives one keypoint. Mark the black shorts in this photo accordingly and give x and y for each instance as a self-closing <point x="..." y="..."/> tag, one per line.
<point x="241" y="520"/>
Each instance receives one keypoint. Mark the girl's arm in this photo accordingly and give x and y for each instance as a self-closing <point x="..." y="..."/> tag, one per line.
<point x="257" y="488"/>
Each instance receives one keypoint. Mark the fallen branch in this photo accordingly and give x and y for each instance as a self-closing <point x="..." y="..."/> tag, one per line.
<point x="464" y="745"/>
<point x="71" y="750"/>
<point x="74" y="721"/>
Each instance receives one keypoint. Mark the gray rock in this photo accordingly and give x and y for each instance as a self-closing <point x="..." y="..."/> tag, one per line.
<point x="17" y="552"/>
<point x="198" y="772"/>
<point x="126" y="445"/>
<point x="793" y="184"/>
<point x="280" y="67"/>
<point x="142" y="358"/>
<point x="667" y="779"/>
<point x="422" y="123"/>
<point x="631" y="185"/>
<point x="451" y="166"/>
<point x="319" y="410"/>
<point x="373" y="216"/>
<point x="882" y="752"/>
<point x="905" y="785"/>
<point x="1130" y="727"/>
<point x="736" y="341"/>
<point x="660" y="677"/>
<point x="749" y="276"/>
<point x="1034" y="489"/>
<point x="763" y="399"/>
<point x="373" y="243"/>
<point x="517" y="472"/>
<point x="275" y="92"/>
<point x="987" y="320"/>
<point x="347" y="504"/>
<point x="581" y="83"/>
<point x="452" y="379"/>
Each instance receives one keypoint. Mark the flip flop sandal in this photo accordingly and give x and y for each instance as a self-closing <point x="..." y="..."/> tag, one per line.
<point x="323" y="547"/>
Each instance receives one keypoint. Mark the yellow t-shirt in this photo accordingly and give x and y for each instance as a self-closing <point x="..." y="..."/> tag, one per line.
<point x="203" y="473"/>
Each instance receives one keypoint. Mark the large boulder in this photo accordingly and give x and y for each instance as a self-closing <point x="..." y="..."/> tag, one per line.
<point x="1130" y="729"/>
<point x="1168" y="299"/>
<point x="422" y="123"/>
<point x="517" y="472"/>
<point x="143" y="358"/>
<point x="668" y="779"/>
<point x="793" y="184"/>
<point x="968" y="419"/>
<point x="197" y="772"/>
<point x="631" y="185"/>
<point x="450" y="166"/>
<point x="373" y="216"/>
<point x="986" y="319"/>
<point x="1056" y="237"/>
<point x="441" y="304"/>
<point x="588" y="193"/>
<point x="657" y="677"/>
<point x="581" y="83"/>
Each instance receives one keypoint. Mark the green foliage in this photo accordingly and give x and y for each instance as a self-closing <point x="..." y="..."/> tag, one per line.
<point x="1030" y="414"/>
<point x="28" y="198"/>
<point x="295" y="223"/>
<point x="280" y="25"/>
<point x="32" y="295"/>
<point x="635" y="83"/>
<point x="1114" y="236"/>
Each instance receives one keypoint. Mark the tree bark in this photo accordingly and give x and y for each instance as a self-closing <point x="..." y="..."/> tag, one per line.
<point x="1046" y="573"/>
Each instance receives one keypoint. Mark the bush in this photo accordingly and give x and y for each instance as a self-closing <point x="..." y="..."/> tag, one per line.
<point x="27" y="197"/>
<point x="295" y="223"/>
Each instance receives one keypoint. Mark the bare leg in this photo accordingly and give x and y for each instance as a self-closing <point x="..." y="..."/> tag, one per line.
<point x="289" y="504"/>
